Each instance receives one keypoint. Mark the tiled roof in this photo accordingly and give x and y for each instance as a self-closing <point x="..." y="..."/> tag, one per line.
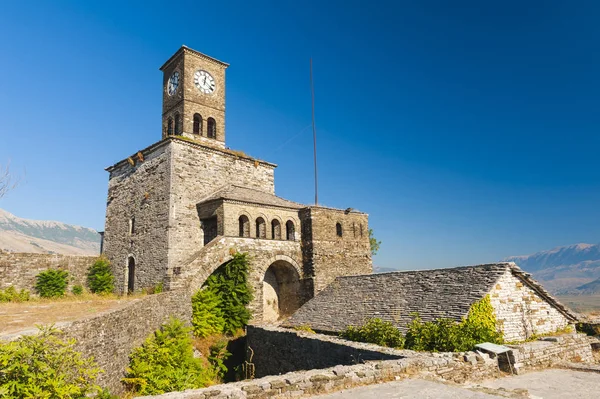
<point x="447" y="293"/>
<point x="250" y="195"/>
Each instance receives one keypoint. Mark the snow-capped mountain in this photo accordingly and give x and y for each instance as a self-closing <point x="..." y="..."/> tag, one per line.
<point x="23" y="235"/>
<point x="564" y="269"/>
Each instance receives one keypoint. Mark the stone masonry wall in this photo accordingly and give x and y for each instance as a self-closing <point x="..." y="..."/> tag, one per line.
<point x="234" y="210"/>
<point x="549" y="351"/>
<point x="111" y="337"/>
<point x="521" y="312"/>
<point x="141" y="192"/>
<point x="328" y="255"/>
<point x="19" y="269"/>
<point x="197" y="172"/>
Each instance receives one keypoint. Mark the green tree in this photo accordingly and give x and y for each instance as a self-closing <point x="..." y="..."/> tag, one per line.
<point x="52" y="283"/>
<point x="100" y="277"/>
<point x="166" y="363"/>
<point x="374" y="243"/>
<point x="207" y="316"/>
<point x="375" y="331"/>
<point x="44" y="366"/>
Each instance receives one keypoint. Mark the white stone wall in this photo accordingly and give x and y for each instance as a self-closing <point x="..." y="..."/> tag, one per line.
<point x="521" y="312"/>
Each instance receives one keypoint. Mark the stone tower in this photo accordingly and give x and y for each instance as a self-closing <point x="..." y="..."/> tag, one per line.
<point x="194" y="97"/>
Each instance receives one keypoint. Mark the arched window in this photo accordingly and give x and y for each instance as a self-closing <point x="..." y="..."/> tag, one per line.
<point x="197" y="124"/>
<point x="244" y="226"/>
<point x="338" y="229"/>
<point x="290" y="231"/>
<point x="170" y="126"/>
<point x="353" y="229"/>
<point x="211" y="125"/>
<point x="177" y="124"/>
<point x="275" y="229"/>
<point x="261" y="228"/>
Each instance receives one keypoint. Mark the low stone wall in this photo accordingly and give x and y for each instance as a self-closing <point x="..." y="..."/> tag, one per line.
<point x="549" y="351"/>
<point x="446" y="366"/>
<point x="277" y="350"/>
<point x="19" y="269"/>
<point x="111" y="337"/>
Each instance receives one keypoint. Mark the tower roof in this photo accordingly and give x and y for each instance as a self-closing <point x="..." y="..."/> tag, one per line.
<point x="186" y="49"/>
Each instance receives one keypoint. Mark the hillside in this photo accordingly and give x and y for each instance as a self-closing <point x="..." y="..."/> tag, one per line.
<point x="23" y="235"/>
<point x="565" y="270"/>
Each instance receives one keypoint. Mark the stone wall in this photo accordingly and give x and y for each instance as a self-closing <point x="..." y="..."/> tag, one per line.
<point x="327" y="254"/>
<point x="520" y="312"/>
<point x="269" y="213"/>
<point x="139" y="192"/>
<point x="19" y="269"/>
<point x="455" y="367"/>
<point x="111" y="337"/>
<point x="549" y="351"/>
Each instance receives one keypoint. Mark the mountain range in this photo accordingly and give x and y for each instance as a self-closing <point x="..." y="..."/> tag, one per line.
<point x="573" y="269"/>
<point x="23" y="235"/>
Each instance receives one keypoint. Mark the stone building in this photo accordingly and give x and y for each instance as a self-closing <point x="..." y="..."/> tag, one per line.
<point x="179" y="208"/>
<point x="523" y="308"/>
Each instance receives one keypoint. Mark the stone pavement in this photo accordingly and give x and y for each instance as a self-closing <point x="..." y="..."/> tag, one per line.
<point x="546" y="384"/>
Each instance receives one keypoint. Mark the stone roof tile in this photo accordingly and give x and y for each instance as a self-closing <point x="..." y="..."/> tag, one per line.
<point x="250" y="195"/>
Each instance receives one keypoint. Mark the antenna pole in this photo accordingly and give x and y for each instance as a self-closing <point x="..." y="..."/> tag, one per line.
<point x="312" y="90"/>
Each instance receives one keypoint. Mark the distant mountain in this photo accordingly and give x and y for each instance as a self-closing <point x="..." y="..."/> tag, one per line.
<point x="23" y="235"/>
<point x="380" y="269"/>
<point x="565" y="270"/>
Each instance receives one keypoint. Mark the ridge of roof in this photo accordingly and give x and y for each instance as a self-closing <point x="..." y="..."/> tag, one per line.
<point x="250" y="195"/>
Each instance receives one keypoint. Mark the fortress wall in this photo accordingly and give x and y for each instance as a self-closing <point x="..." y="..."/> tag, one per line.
<point x="19" y="269"/>
<point x="111" y="337"/>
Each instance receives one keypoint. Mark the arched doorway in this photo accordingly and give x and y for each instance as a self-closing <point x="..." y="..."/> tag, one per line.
<point x="281" y="291"/>
<point x="130" y="275"/>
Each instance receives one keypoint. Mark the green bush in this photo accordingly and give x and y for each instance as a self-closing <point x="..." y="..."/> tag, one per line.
<point x="375" y="331"/>
<point x="52" y="283"/>
<point x="218" y="355"/>
<point x="166" y="363"/>
<point x="207" y="317"/>
<point x="46" y="367"/>
<point x="100" y="277"/>
<point x="221" y="305"/>
<point x="11" y="295"/>
<point x="77" y="289"/>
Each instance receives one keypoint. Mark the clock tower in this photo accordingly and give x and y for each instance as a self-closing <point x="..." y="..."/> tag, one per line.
<point x="194" y="97"/>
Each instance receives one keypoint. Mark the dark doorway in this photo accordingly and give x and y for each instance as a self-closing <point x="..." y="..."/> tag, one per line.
<point x="131" y="275"/>
<point x="210" y="229"/>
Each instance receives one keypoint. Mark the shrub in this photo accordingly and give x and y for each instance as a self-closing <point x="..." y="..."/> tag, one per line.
<point x="100" y="277"/>
<point x="159" y="288"/>
<point x="77" y="289"/>
<point x="44" y="366"/>
<point x="375" y="331"/>
<point x="221" y="305"/>
<point x="218" y="355"/>
<point x="11" y="295"/>
<point x="52" y="283"/>
<point x="207" y="317"/>
<point x="166" y="363"/>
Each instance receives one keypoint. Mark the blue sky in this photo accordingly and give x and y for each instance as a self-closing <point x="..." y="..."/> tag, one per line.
<point x="469" y="131"/>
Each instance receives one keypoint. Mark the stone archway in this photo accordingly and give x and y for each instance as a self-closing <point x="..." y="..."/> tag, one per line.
<point x="281" y="291"/>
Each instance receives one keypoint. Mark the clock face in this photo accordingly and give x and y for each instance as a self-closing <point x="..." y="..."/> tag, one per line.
<point x="173" y="83"/>
<point x="204" y="81"/>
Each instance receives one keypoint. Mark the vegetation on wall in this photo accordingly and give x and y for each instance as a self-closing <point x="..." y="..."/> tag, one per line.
<point x="100" y="277"/>
<point x="375" y="331"/>
<point x="220" y="307"/>
<point x="46" y="367"/>
<point x="166" y="363"/>
<point x="373" y="243"/>
<point x="12" y="295"/>
<point x="52" y="283"/>
<point x="443" y="335"/>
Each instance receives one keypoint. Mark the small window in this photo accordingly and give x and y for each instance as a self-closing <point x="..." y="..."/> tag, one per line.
<point x="275" y="230"/>
<point x="170" y="126"/>
<point x="211" y="125"/>
<point x="261" y="228"/>
<point x="361" y="230"/>
<point x="244" y="226"/>
<point x="290" y="231"/>
<point x="177" y="124"/>
<point x="197" y="124"/>
<point x="338" y="229"/>
<point x="132" y="226"/>
<point x="353" y="229"/>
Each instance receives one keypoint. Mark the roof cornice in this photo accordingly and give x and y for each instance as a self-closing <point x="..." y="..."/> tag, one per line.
<point x="187" y="50"/>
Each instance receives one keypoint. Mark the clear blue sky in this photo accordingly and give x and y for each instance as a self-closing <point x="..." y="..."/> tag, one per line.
<point x="469" y="131"/>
